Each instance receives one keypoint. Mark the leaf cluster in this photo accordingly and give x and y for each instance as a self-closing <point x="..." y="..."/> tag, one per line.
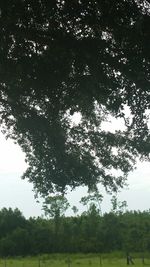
<point x="88" y="58"/>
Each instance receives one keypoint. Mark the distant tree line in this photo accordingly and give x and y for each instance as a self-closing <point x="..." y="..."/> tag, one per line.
<point x="89" y="232"/>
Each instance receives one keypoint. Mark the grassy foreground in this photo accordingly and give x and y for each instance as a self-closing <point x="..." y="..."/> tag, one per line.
<point x="74" y="260"/>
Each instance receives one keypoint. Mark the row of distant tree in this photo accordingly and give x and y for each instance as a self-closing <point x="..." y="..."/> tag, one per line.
<point x="89" y="232"/>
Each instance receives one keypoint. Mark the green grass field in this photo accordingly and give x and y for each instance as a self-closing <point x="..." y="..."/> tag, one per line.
<point x="74" y="260"/>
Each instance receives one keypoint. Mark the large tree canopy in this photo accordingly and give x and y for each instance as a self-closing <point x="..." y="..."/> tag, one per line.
<point x="61" y="58"/>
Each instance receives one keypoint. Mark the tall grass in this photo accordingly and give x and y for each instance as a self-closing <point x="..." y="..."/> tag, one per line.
<point x="74" y="260"/>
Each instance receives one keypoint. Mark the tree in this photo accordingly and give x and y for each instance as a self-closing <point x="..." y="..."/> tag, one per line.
<point x="92" y="201"/>
<point x="10" y="220"/>
<point x="118" y="207"/>
<point x="75" y="210"/>
<point x="60" y="59"/>
<point x="55" y="207"/>
<point x="21" y="239"/>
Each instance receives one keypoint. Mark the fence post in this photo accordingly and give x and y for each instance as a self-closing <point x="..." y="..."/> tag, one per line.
<point x="69" y="262"/>
<point x="5" y="263"/>
<point x="100" y="260"/>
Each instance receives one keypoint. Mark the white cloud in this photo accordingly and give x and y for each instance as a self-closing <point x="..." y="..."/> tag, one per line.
<point x="12" y="159"/>
<point x="17" y="193"/>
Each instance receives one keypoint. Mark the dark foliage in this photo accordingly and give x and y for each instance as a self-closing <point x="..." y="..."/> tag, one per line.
<point x="63" y="58"/>
<point x="90" y="232"/>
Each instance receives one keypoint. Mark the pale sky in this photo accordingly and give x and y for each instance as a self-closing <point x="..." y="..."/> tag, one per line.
<point x="15" y="192"/>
